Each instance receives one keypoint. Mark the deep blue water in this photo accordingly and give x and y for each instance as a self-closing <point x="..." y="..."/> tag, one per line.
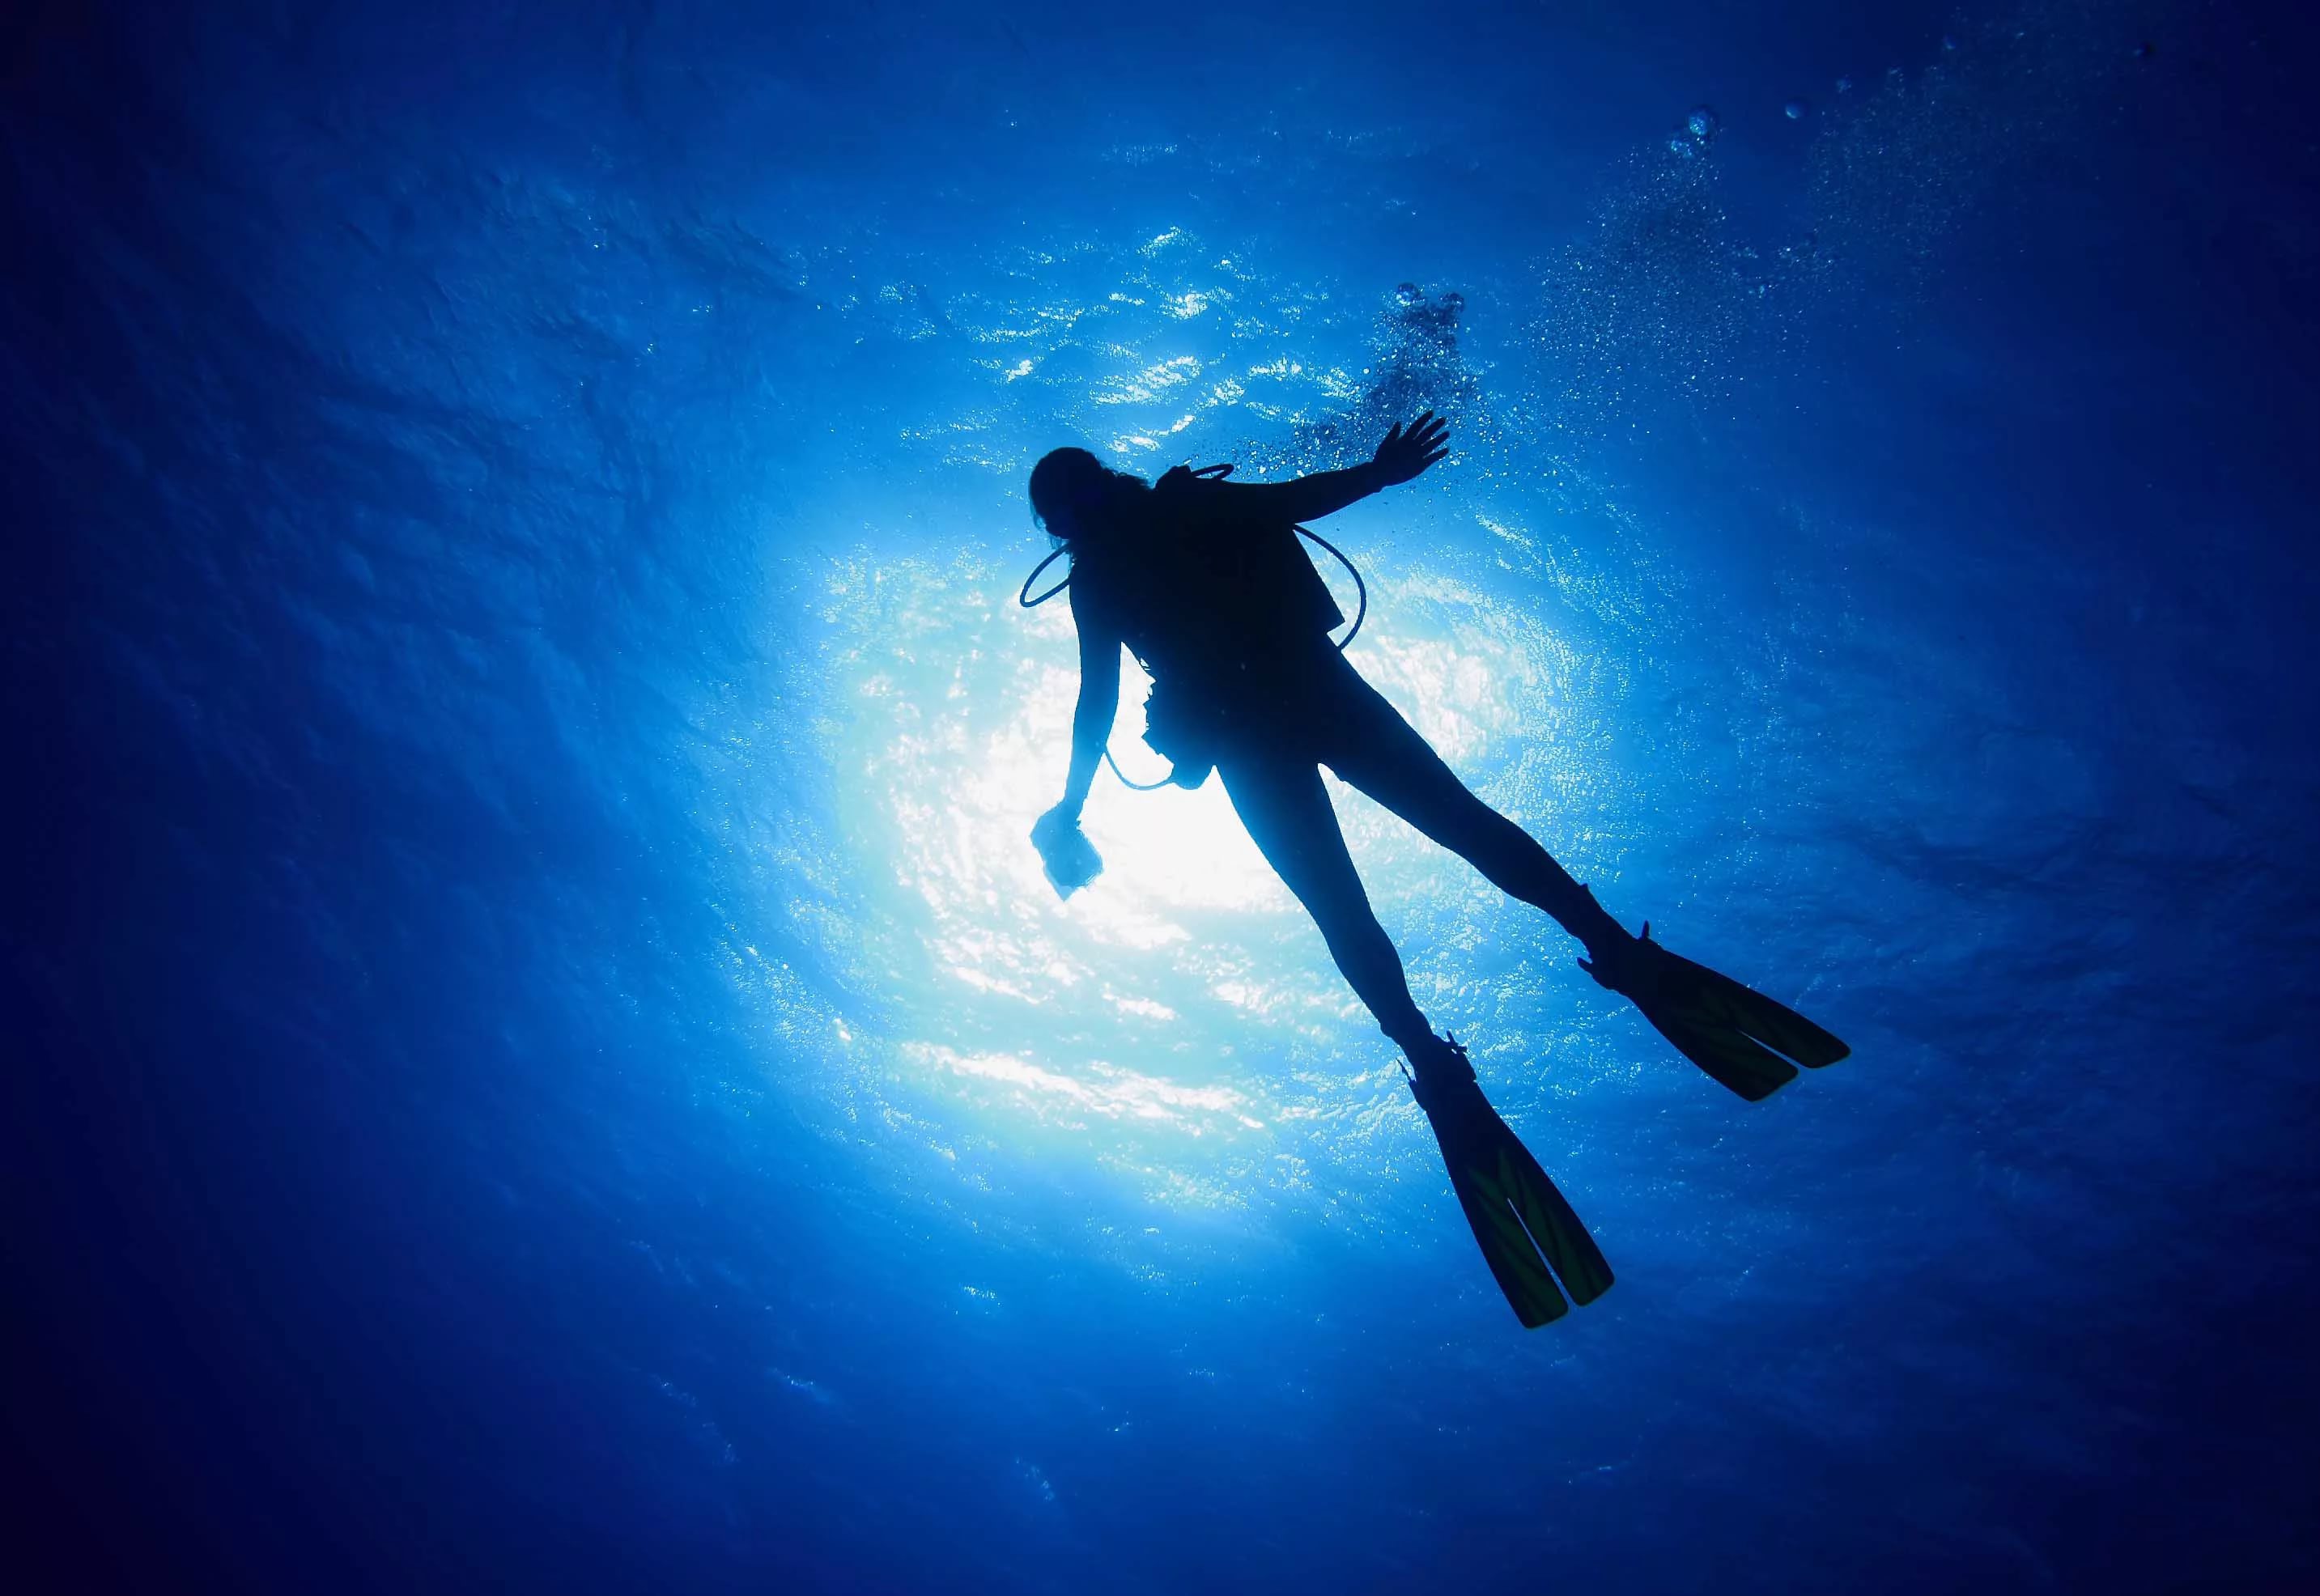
<point x="540" y="1058"/>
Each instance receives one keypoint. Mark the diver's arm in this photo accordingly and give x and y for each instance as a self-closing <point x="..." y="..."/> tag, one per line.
<point x="1402" y="455"/>
<point x="1302" y="498"/>
<point x="1092" y="718"/>
<point x="1068" y="858"/>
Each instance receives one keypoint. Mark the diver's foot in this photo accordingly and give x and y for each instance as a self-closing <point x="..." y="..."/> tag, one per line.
<point x="1621" y="962"/>
<point x="1438" y="1066"/>
<point x="1610" y="950"/>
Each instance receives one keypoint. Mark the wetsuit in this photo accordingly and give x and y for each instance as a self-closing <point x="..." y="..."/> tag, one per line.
<point x="1212" y="590"/>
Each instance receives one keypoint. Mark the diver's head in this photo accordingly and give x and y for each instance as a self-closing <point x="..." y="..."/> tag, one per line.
<point x="1075" y="495"/>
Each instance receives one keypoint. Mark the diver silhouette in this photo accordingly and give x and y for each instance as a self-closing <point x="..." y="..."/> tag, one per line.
<point x="1204" y="580"/>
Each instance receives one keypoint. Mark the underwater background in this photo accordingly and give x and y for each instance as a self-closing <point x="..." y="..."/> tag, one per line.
<point x="539" y="1056"/>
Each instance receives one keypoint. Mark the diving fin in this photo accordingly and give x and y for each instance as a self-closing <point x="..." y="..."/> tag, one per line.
<point x="1734" y="1033"/>
<point x="1526" y="1230"/>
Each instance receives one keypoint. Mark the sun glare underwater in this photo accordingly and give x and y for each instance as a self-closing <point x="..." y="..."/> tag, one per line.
<point x="543" y="1054"/>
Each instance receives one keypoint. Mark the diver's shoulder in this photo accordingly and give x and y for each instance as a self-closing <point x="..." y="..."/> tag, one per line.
<point x="1095" y="575"/>
<point x="1182" y="482"/>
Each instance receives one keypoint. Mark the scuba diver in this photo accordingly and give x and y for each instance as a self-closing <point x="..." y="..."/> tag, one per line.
<point x="1204" y="580"/>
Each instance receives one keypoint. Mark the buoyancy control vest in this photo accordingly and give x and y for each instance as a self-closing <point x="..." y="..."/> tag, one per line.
<point x="1212" y="600"/>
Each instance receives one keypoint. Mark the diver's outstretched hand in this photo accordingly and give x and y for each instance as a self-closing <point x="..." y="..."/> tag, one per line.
<point x="1069" y="858"/>
<point x="1403" y="455"/>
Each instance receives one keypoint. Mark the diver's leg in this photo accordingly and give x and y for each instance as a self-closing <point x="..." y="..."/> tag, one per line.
<point x="1373" y="747"/>
<point x="1287" y="811"/>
